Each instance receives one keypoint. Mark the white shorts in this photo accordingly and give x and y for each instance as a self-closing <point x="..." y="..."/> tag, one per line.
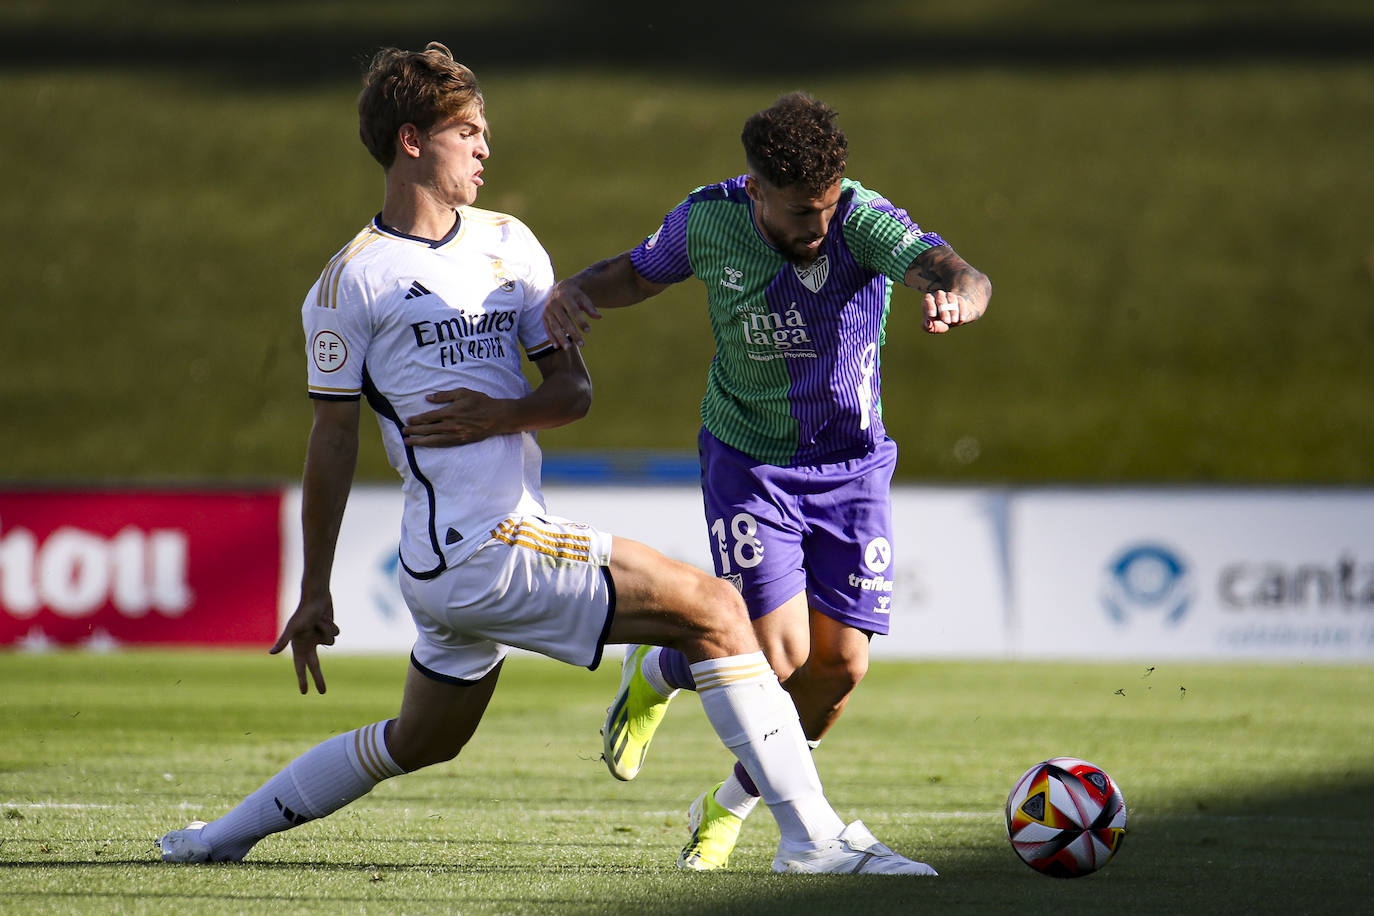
<point x="540" y="583"/>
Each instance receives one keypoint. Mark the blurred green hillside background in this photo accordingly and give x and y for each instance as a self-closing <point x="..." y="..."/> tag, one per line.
<point x="1173" y="200"/>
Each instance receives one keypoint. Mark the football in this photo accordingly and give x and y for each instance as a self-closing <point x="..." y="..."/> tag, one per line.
<point x="1065" y="817"/>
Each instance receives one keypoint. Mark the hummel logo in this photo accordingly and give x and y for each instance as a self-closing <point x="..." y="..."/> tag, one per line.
<point x="732" y="278"/>
<point x="416" y="291"/>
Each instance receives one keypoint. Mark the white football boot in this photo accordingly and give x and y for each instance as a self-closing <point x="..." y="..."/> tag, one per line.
<point x="185" y="845"/>
<point x="855" y="851"/>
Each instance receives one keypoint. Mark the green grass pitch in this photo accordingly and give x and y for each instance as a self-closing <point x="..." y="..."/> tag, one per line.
<point x="1250" y="788"/>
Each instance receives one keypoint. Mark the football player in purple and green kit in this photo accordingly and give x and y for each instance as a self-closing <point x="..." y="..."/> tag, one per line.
<point x="798" y="264"/>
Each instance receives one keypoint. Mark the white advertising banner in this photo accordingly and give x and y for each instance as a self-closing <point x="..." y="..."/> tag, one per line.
<point x="949" y="595"/>
<point x="998" y="573"/>
<point x="1205" y="574"/>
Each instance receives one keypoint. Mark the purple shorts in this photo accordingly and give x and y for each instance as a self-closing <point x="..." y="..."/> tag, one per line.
<point x="825" y="529"/>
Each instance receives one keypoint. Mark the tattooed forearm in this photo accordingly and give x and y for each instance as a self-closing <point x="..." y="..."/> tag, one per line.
<point x="941" y="268"/>
<point x="927" y="280"/>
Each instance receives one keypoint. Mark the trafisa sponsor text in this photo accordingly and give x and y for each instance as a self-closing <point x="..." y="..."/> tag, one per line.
<point x="875" y="584"/>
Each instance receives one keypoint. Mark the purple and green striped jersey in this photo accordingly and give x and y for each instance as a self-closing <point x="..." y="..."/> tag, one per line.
<point x="795" y="378"/>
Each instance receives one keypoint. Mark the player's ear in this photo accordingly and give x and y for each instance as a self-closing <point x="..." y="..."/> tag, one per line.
<point x="408" y="138"/>
<point x="751" y="187"/>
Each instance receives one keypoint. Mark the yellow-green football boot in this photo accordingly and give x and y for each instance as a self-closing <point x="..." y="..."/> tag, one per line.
<point x="714" y="834"/>
<point x="633" y="717"/>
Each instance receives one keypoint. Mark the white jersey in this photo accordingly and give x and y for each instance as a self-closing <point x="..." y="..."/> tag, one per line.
<point x="394" y="318"/>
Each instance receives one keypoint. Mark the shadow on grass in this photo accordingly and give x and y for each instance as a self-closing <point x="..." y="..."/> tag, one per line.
<point x="1283" y="848"/>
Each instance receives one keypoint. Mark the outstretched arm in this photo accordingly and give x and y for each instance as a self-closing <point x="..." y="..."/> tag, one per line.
<point x="956" y="292"/>
<point x="610" y="284"/>
<point x="330" y="460"/>
<point x="564" y="395"/>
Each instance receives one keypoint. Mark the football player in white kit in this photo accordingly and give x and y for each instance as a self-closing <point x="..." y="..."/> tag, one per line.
<point x="436" y="295"/>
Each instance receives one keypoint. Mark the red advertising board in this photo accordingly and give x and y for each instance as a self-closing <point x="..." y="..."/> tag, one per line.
<point x="118" y="567"/>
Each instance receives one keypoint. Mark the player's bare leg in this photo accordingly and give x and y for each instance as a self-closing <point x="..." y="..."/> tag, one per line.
<point x="784" y="634"/>
<point x="821" y="686"/>
<point x="436" y="720"/>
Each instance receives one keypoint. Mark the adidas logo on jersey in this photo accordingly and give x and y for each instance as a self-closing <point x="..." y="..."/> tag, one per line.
<point x="416" y="291"/>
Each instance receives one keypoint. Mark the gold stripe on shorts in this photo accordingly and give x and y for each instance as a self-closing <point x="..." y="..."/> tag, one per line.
<point x="554" y="543"/>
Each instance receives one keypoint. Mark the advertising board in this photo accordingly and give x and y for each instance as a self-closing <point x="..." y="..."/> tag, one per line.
<point x="104" y="568"/>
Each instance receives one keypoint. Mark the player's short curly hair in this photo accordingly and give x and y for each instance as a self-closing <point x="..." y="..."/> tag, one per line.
<point x="796" y="142"/>
<point x="411" y="87"/>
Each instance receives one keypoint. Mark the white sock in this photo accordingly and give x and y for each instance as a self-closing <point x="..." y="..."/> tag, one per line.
<point x="733" y="797"/>
<point x="319" y="782"/>
<point x="756" y="720"/>
<point x="738" y="799"/>
<point x="649" y="667"/>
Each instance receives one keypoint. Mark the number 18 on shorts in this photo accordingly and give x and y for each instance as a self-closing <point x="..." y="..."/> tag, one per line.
<point x="825" y="530"/>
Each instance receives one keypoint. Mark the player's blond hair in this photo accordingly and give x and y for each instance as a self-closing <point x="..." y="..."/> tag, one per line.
<point x="412" y="87"/>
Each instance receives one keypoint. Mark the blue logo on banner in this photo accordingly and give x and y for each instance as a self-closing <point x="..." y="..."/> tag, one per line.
<point x="1146" y="579"/>
<point x="386" y="594"/>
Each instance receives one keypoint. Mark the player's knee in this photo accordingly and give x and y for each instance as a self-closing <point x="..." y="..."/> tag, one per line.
<point x="842" y="673"/>
<point x="785" y="660"/>
<point x="730" y="604"/>
<point x="853" y="672"/>
<point x="725" y="627"/>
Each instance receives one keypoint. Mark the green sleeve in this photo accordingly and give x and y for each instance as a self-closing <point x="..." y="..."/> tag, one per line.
<point x="881" y="236"/>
